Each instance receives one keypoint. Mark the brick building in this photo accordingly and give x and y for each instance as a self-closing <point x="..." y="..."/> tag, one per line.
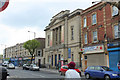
<point x="99" y="28"/>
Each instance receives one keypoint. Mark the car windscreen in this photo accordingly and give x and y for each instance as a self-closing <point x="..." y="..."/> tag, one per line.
<point x="106" y="68"/>
<point x="11" y="65"/>
<point x="65" y="67"/>
<point x="34" y="66"/>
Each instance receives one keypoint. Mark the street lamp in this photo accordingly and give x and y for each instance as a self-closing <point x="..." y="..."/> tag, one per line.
<point x="34" y="33"/>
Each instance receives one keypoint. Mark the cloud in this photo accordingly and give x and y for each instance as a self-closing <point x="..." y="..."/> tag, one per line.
<point x="11" y="36"/>
<point x="33" y="15"/>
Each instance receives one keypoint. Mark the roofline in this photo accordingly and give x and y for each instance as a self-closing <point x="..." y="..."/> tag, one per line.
<point x="92" y="7"/>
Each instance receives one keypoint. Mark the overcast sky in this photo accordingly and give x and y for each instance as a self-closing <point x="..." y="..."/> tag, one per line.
<point x="22" y="16"/>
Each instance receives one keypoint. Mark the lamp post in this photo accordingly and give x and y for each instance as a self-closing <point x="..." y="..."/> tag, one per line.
<point x="34" y="33"/>
<point x="34" y="38"/>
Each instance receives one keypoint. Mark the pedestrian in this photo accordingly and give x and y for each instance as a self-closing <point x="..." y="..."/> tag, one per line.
<point x="71" y="72"/>
<point x="118" y="65"/>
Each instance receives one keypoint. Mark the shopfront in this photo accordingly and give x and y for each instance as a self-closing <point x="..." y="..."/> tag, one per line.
<point x="14" y="61"/>
<point x="114" y="55"/>
<point x="94" y="55"/>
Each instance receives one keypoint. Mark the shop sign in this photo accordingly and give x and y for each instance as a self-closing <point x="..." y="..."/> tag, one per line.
<point x="94" y="49"/>
<point x="25" y="58"/>
<point x="20" y="58"/>
<point x="114" y="44"/>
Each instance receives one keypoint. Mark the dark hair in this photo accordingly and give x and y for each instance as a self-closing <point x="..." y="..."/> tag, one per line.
<point x="71" y="65"/>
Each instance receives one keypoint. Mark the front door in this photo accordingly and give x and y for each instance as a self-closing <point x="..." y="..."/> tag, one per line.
<point x="113" y="60"/>
<point x="39" y="63"/>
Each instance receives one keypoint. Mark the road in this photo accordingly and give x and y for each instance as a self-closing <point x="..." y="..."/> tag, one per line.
<point x="20" y="73"/>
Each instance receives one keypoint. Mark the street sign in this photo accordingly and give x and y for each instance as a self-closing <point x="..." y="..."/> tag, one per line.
<point x="3" y="4"/>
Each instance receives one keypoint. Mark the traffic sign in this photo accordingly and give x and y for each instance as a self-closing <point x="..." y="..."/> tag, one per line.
<point x="3" y="4"/>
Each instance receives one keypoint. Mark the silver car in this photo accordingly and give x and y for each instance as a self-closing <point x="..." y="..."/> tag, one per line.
<point x="33" y="67"/>
<point x="10" y="66"/>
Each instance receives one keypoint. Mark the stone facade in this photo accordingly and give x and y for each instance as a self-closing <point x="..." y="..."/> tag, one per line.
<point x="62" y="34"/>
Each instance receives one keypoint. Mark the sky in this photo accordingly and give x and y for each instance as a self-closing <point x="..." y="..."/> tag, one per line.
<point x="22" y="16"/>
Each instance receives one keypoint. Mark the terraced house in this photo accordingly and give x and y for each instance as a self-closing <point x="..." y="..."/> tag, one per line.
<point x="101" y="35"/>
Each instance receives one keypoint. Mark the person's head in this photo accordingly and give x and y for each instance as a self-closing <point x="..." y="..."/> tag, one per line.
<point x="71" y="65"/>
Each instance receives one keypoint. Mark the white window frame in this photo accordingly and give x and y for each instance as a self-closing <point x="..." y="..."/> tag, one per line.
<point x="85" y="39"/>
<point x="94" y="19"/>
<point x="116" y="31"/>
<point x="95" y="36"/>
<point x="85" y="22"/>
<point x="115" y="11"/>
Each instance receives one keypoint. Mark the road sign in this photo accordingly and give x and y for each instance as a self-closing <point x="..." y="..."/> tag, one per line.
<point x="3" y="4"/>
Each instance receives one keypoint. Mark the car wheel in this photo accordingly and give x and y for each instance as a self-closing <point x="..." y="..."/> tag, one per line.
<point x="107" y="77"/>
<point x="87" y="76"/>
<point x="60" y="73"/>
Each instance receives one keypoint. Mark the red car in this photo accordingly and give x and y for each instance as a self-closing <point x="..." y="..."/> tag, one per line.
<point x="64" y="68"/>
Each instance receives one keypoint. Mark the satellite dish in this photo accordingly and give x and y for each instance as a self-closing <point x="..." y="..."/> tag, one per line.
<point x="3" y="4"/>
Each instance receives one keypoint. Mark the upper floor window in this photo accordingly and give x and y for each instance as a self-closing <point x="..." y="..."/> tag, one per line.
<point x="116" y="31"/>
<point x="72" y="33"/>
<point x="85" y="22"/>
<point x="94" y="19"/>
<point x="48" y="40"/>
<point x="85" y="38"/>
<point x="40" y="53"/>
<point x="115" y="11"/>
<point x="94" y="36"/>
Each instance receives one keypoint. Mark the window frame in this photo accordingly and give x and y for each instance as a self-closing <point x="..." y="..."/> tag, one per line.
<point x="118" y="31"/>
<point x="85" y="38"/>
<point x="94" y="18"/>
<point x="93" y="37"/>
<point x="84" y="23"/>
<point x="72" y="32"/>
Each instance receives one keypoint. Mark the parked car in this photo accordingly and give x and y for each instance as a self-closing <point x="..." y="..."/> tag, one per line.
<point x="64" y="68"/>
<point x="5" y="63"/>
<point x="33" y="67"/>
<point x="26" y="66"/>
<point x="3" y="73"/>
<point x="10" y="66"/>
<point x="101" y="72"/>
